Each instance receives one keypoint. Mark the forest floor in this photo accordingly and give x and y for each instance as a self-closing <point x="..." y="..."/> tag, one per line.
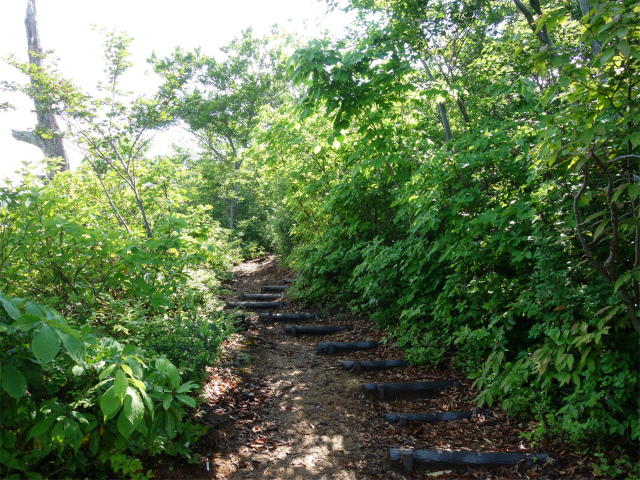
<point x="278" y="410"/>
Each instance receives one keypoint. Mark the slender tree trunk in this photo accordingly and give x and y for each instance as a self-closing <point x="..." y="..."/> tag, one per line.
<point x="442" y="108"/>
<point x="585" y="7"/>
<point x="51" y="147"/>
<point x="543" y="34"/>
<point x="145" y="221"/>
<point x="233" y="207"/>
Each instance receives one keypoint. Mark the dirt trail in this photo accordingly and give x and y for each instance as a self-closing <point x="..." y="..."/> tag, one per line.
<point x="307" y="426"/>
<point x="278" y="410"/>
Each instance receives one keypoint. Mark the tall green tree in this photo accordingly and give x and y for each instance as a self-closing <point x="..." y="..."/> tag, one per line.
<point x="220" y="100"/>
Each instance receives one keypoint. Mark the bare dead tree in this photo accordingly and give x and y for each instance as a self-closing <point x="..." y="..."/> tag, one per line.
<point x="52" y="145"/>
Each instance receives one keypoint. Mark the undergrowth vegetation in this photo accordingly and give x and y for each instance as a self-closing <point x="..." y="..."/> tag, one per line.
<point x="466" y="174"/>
<point x="105" y="334"/>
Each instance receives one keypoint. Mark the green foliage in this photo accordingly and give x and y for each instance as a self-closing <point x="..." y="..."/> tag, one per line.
<point x="191" y="343"/>
<point x="220" y="101"/>
<point x="111" y="130"/>
<point x="475" y="192"/>
<point x="77" y="402"/>
<point x="125" y="251"/>
<point x="96" y="403"/>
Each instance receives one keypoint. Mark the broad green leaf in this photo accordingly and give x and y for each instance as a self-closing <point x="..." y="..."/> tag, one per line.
<point x="9" y="307"/>
<point x="51" y="314"/>
<point x="125" y="427"/>
<point x="173" y="376"/>
<point x="603" y="224"/>
<point x="120" y="384"/>
<point x="77" y="370"/>
<point x="621" y="280"/>
<point x="13" y="381"/>
<point x="606" y="55"/>
<point x="107" y="371"/>
<point x="186" y="400"/>
<point x="166" y="400"/>
<point x="570" y="360"/>
<point x="187" y="387"/>
<point x="110" y="403"/>
<point x="58" y="434"/>
<point x="625" y="49"/>
<point x="133" y="406"/>
<point x="599" y="129"/>
<point x="72" y="343"/>
<point x="26" y="322"/>
<point x="45" y="344"/>
<point x="33" y="309"/>
<point x="489" y="398"/>
<point x="73" y="433"/>
<point x="586" y="137"/>
<point x="148" y="403"/>
<point x="170" y="425"/>
<point x="575" y="378"/>
<point x="42" y="426"/>
<point x="161" y="365"/>
<point x="136" y="368"/>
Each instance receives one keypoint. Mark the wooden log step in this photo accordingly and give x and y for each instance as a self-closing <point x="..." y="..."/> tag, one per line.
<point x="273" y="288"/>
<point x="383" y="390"/>
<point x="321" y="330"/>
<point x="405" y="418"/>
<point x="286" y="317"/>
<point x="286" y="281"/>
<point x="257" y="305"/>
<point x="357" y="367"/>
<point x="461" y="458"/>
<point x="337" y="347"/>
<point x="260" y="296"/>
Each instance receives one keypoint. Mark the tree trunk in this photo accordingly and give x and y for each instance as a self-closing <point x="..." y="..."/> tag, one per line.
<point x="51" y="147"/>
<point x="233" y="208"/>
<point x="585" y="8"/>
<point x="442" y="108"/>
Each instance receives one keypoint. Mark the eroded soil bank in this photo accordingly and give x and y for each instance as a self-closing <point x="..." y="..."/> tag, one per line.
<point x="279" y="410"/>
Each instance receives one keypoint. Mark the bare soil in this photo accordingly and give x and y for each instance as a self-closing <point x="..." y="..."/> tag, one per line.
<point x="279" y="410"/>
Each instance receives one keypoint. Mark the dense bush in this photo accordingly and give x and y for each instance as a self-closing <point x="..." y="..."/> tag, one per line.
<point x="109" y="394"/>
<point x="75" y="402"/>
<point x="487" y="209"/>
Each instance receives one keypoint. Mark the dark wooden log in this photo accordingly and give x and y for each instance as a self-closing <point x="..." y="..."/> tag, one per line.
<point x="286" y="281"/>
<point x="273" y="288"/>
<point x="321" y="330"/>
<point x="405" y="388"/>
<point x="337" y="347"/>
<point x="404" y="418"/>
<point x="256" y="305"/>
<point x="286" y="317"/>
<point x="461" y="458"/>
<point x="357" y="367"/>
<point x="260" y="296"/>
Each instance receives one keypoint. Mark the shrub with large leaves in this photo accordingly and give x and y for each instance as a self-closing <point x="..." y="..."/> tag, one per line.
<point x="76" y="403"/>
